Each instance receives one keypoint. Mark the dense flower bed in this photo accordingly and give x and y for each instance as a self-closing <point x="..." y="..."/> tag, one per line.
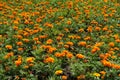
<point x="59" y="40"/>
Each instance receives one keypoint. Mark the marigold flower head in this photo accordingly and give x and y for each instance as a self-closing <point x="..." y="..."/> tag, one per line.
<point x="111" y="44"/>
<point x="58" y="72"/>
<point x="26" y="67"/>
<point x="18" y="62"/>
<point x="8" y="46"/>
<point x="80" y="56"/>
<point x="89" y="29"/>
<point x="49" y="60"/>
<point x="102" y="72"/>
<point x="64" y="77"/>
<point x="9" y="55"/>
<point x="82" y="43"/>
<point x="81" y="30"/>
<point x="69" y="55"/>
<point x="20" y="49"/>
<point x="70" y="43"/>
<point x="69" y="22"/>
<point x="49" y="41"/>
<point x="57" y="54"/>
<point x="96" y="74"/>
<point x="19" y="43"/>
<point x="30" y="59"/>
<point x="80" y="77"/>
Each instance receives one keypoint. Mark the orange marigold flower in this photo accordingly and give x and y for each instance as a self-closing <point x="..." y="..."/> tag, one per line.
<point x="8" y="46"/>
<point x="49" y="60"/>
<point x="15" y="22"/>
<point x="82" y="43"/>
<point x="43" y="36"/>
<point x="102" y="72"/>
<point x="87" y="38"/>
<point x="106" y="63"/>
<point x="19" y="37"/>
<point x="105" y="28"/>
<point x="80" y="77"/>
<point x="117" y="40"/>
<point x="18" y="62"/>
<point x="30" y="59"/>
<point x="87" y="11"/>
<point x="48" y="25"/>
<point x="35" y="39"/>
<point x="66" y="46"/>
<point x="105" y="0"/>
<point x="23" y="79"/>
<point x="57" y="54"/>
<point x="70" y="43"/>
<point x="19" y="43"/>
<point x="64" y="77"/>
<point x="81" y="30"/>
<point x="20" y="49"/>
<point x="69" y="22"/>
<point x="26" y="67"/>
<point x="111" y="44"/>
<point x="15" y="28"/>
<point x="89" y="29"/>
<point x="69" y="55"/>
<point x="116" y="66"/>
<point x="58" y="72"/>
<point x="49" y="41"/>
<point x="9" y="55"/>
<point x="31" y="64"/>
<point x="80" y="56"/>
<point x="58" y="38"/>
<point x="26" y="40"/>
<point x="97" y="28"/>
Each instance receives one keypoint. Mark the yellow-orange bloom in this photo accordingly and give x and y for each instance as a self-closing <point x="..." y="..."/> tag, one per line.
<point x="89" y="29"/>
<point x="49" y="41"/>
<point x="9" y="55"/>
<point x="19" y="43"/>
<point x="80" y="77"/>
<point x="102" y="72"/>
<point x="80" y="56"/>
<point x="49" y="60"/>
<point x="18" y="62"/>
<point x="96" y="74"/>
<point x="69" y="55"/>
<point x="111" y="44"/>
<point x="64" y="77"/>
<point x="30" y="59"/>
<point x="26" y="40"/>
<point x="69" y="22"/>
<point x="82" y="43"/>
<point x="58" y="72"/>
<point x="8" y="46"/>
<point x="70" y="43"/>
<point x="105" y="0"/>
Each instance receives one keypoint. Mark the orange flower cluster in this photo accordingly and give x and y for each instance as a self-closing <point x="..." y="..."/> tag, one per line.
<point x="8" y="55"/>
<point x="49" y="48"/>
<point x="19" y="61"/>
<point x="80" y="56"/>
<point x="59" y="33"/>
<point x="63" y="54"/>
<point x="49" y="60"/>
<point x="107" y="63"/>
